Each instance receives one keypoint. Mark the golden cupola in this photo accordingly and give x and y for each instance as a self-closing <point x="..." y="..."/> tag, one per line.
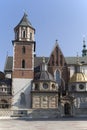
<point x="78" y="76"/>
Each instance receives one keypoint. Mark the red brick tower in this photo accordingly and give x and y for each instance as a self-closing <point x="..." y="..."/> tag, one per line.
<point x="24" y="47"/>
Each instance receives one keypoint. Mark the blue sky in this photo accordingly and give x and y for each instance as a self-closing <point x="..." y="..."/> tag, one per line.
<point x="64" y="20"/>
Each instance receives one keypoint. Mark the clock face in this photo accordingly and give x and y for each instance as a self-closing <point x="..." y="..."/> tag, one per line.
<point x="81" y="86"/>
<point x="45" y="86"/>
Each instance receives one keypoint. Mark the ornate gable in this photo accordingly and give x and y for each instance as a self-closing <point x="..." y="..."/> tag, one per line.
<point x="56" y="58"/>
<point x="57" y="63"/>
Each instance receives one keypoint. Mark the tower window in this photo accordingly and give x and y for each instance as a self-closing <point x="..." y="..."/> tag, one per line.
<point x="30" y="36"/>
<point x="24" y="34"/>
<point x="23" y="50"/>
<point x="23" y="63"/>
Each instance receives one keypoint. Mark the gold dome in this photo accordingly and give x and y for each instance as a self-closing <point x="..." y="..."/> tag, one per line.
<point x="78" y="77"/>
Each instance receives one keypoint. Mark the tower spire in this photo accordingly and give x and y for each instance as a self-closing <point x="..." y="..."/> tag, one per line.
<point x="84" y="51"/>
<point x="84" y="45"/>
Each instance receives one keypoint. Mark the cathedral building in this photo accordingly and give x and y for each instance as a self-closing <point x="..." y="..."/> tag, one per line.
<point x="55" y="83"/>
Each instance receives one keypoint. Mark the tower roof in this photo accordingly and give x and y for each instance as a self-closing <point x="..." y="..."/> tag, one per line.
<point x="25" y="22"/>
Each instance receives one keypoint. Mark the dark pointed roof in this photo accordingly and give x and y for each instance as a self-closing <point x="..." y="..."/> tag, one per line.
<point x="38" y="61"/>
<point x="25" y="22"/>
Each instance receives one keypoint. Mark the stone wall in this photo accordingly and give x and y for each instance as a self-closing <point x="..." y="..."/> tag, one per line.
<point x="81" y="112"/>
<point x="6" y="113"/>
<point x="44" y="113"/>
<point x="31" y="113"/>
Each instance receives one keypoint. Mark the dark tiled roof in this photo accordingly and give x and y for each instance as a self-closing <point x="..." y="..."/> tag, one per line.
<point x="25" y="22"/>
<point x="9" y="64"/>
<point x="73" y="60"/>
<point x="39" y="60"/>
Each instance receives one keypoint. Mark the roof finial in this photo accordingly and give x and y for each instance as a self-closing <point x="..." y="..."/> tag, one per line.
<point x="77" y="61"/>
<point x="77" y="58"/>
<point x="84" y="45"/>
<point x="84" y="51"/>
<point x="25" y="13"/>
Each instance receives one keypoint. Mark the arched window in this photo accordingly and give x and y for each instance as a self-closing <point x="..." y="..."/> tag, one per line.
<point x="30" y="36"/>
<point x="53" y="86"/>
<point x="57" y="76"/>
<point x="36" y="86"/>
<point x="22" y="99"/>
<point x="23" y="34"/>
<point x="23" y="50"/>
<point x="23" y="63"/>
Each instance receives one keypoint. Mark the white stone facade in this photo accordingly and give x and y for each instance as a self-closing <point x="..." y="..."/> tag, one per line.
<point x="21" y="86"/>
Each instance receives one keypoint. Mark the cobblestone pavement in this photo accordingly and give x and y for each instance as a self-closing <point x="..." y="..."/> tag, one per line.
<point x="60" y="124"/>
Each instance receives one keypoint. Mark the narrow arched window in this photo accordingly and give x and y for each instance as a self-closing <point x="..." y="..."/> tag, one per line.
<point x="58" y="77"/>
<point x="30" y="36"/>
<point x="23" y="50"/>
<point x="23" y="63"/>
<point x="24" y="34"/>
<point x="22" y="99"/>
